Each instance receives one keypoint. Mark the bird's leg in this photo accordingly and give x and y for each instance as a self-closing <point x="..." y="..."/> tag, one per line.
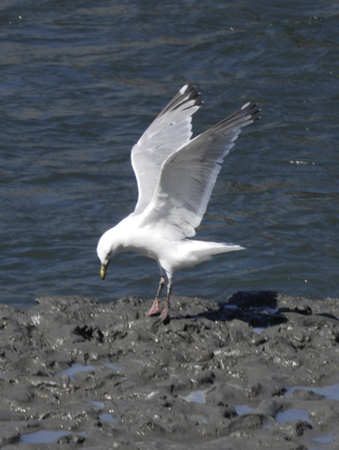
<point x="155" y="306"/>
<point x="165" y="311"/>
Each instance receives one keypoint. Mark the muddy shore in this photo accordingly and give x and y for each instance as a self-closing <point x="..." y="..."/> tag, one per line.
<point x="259" y="371"/>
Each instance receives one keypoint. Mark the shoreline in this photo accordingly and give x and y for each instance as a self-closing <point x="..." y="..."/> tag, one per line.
<point x="259" y="370"/>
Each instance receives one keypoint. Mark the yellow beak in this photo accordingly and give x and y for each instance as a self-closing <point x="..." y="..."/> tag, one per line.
<point x="103" y="271"/>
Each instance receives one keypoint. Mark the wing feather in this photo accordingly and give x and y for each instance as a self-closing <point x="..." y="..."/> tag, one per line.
<point x="171" y="130"/>
<point x="188" y="176"/>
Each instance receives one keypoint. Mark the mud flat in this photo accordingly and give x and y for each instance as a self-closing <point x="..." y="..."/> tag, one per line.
<point x="259" y="371"/>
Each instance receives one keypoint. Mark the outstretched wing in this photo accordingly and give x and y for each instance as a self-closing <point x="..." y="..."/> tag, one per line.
<point x="188" y="176"/>
<point x="171" y="130"/>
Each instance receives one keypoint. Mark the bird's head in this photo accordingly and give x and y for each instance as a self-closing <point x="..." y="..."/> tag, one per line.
<point x="106" y="249"/>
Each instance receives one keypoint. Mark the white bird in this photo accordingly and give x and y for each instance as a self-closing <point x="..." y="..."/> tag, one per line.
<point x="175" y="176"/>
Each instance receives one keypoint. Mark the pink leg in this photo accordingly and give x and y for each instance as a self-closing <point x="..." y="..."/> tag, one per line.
<point x="165" y="312"/>
<point x="155" y="306"/>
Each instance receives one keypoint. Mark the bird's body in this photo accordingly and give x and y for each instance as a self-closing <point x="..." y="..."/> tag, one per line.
<point x="171" y="254"/>
<point x="175" y="175"/>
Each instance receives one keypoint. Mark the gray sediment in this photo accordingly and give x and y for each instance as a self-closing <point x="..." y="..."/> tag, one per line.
<point x="258" y="371"/>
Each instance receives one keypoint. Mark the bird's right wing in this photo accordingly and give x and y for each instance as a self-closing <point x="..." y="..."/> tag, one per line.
<point x="188" y="176"/>
<point x="171" y="130"/>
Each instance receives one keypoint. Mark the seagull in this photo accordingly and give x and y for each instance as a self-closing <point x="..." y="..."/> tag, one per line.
<point x="175" y="175"/>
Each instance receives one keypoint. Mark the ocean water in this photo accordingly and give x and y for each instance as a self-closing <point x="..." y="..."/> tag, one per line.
<point x="81" y="81"/>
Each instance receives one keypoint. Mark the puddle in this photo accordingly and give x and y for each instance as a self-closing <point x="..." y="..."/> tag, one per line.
<point x="251" y="308"/>
<point x="267" y="309"/>
<point x="105" y="417"/>
<point x="258" y="330"/>
<point x="329" y="392"/>
<point x="324" y="439"/>
<point x="293" y="414"/>
<point x="228" y="306"/>
<point x="43" y="437"/>
<point x="195" y="396"/>
<point x="75" y="368"/>
<point x="99" y="405"/>
<point x="242" y="409"/>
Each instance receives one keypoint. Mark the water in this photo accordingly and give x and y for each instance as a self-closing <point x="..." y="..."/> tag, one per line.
<point x="81" y="81"/>
<point x="293" y="414"/>
<point x="198" y="396"/>
<point x="75" y="368"/>
<point x="105" y="417"/>
<point x="243" y="409"/>
<point x="43" y="436"/>
<point x="328" y="439"/>
<point x="329" y="392"/>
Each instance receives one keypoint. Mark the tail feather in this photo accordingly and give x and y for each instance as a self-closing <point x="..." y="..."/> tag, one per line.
<point x="189" y="253"/>
<point x="196" y="252"/>
<point x="224" y="247"/>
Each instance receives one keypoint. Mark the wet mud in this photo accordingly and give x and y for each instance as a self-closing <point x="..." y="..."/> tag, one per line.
<point x="259" y="371"/>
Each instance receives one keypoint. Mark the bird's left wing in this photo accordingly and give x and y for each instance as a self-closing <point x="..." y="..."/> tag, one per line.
<point x="169" y="131"/>
<point x="188" y="176"/>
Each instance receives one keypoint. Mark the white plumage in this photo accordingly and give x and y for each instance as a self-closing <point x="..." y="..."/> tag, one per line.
<point x="175" y="176"/>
